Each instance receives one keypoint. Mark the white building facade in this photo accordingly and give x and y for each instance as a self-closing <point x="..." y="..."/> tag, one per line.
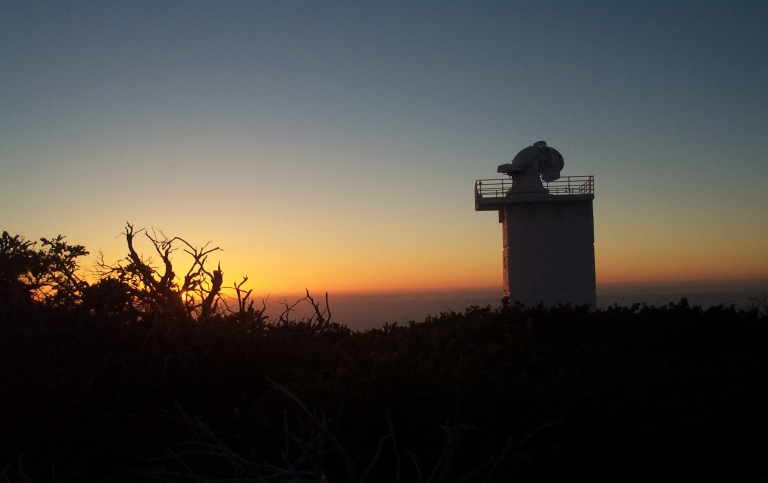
<point x="547" y="226"/>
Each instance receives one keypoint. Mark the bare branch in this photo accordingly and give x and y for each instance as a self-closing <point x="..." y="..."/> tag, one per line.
<point x="195" y="295"/>
<point x="321" y="425"/>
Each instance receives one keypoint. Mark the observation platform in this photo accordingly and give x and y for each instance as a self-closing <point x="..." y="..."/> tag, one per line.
<point x="493" y="194"/>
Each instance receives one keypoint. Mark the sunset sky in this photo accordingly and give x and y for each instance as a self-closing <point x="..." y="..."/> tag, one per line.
<point x="334" y="145"/>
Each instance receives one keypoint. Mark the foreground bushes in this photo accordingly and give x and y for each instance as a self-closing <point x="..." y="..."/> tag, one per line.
<point x="554" y="394"/>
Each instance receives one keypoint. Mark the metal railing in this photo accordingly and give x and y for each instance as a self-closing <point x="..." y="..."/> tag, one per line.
<point x="568" y="185"/>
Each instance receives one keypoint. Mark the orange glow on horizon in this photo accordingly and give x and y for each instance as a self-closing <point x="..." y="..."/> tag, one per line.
<point x="485" y="274"/>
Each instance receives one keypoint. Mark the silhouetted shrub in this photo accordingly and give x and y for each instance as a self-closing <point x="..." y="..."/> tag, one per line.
<point x="38" y="277"/>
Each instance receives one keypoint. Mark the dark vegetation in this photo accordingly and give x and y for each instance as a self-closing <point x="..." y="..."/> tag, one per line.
<point x="146" y="375"/>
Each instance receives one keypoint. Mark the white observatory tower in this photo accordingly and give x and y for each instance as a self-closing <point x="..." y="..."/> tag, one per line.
<point x="548" y="228"/>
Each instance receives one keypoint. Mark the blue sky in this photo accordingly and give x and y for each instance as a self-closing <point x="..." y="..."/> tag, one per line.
<point x="334" y="145"/>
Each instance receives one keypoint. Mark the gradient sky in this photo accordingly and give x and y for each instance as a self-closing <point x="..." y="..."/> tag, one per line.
<point x="334" y="145"/>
